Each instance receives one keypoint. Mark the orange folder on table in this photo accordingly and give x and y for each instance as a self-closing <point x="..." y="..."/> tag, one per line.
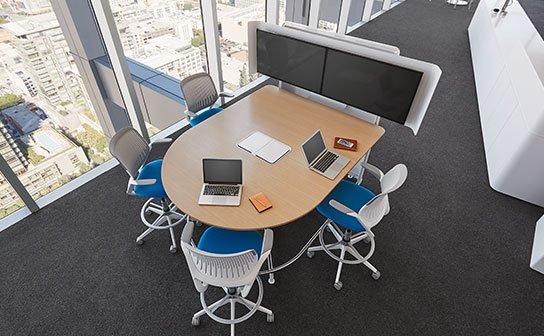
<point x="260" y="202"/>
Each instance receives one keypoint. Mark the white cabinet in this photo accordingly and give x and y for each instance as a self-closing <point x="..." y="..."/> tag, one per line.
<point x="508" y="61"/>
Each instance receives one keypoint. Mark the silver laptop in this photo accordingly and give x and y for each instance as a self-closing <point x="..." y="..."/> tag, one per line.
<point x="222" y="182"/>
<point x="320" y="159"/>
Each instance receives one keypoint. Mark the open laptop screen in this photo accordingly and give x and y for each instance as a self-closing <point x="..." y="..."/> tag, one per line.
<point x="313" y="147"/>
<point x="222" y="171"/>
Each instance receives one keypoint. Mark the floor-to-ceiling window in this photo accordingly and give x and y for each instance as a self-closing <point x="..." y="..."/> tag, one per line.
<point x="49" y="132"/>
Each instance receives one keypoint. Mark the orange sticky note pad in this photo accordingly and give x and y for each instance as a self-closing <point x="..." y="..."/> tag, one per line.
<point x="260" y="202"/>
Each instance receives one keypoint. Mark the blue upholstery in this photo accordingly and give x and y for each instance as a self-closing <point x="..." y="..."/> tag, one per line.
<point x="222" y="241"/>
<point x="152" y="170"/>
<point x="351" y="195"/>
<point x="204" y="115"/>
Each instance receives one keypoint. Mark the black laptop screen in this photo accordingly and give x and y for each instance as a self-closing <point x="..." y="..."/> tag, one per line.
<point x="222" y="171"/>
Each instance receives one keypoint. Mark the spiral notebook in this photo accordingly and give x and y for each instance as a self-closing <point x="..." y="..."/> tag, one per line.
<point x="264" y="147"/>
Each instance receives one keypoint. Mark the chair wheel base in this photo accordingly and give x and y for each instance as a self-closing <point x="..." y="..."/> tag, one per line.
<point x="366" y="240"/>
<point x="270" y="318"/>
<point x="376" y="275"/>
<point x="173" y="249"/>
<point x="310" y="254"/>
<point x="139" y="242"/>
<point x="338" y="285"/>
<point x="195" y="321"/>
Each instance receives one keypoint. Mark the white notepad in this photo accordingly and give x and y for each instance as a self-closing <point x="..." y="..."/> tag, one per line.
<point x="265" y="147"/>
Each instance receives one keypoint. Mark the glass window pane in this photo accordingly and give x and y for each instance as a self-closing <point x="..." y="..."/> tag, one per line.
<point x="329" y="14"/>
<point x="164" y="35"/>
<point x="233" y="16"/>
<point x="49" y="131"/>
<point x="9" y="200"/>
<point x="356" y="12"/>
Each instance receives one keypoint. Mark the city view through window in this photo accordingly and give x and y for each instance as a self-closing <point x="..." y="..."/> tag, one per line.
<point x="49" y="133"/>
<point x="168" y="36"/>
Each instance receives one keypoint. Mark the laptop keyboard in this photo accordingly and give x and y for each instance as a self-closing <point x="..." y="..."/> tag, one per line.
<point x="220" y="190"/>
<point x="325" y="162"/>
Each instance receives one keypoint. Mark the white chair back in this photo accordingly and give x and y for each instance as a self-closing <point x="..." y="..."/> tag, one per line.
<point x="221" y="270"/>
<point x="378" y="207"/>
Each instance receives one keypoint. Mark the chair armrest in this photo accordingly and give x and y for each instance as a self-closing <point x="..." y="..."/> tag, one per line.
<point x="267" y="240"/>
<point x="373" y="170"/>
<point x="226" y="94"/>
<point x="160" y="141"/>
<point x="342" y="208"/>
<point x="187" y="234"/>
<point x="144" y="182"/>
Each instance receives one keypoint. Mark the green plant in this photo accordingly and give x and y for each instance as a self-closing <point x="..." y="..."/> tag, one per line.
<point x="9" y="100"/>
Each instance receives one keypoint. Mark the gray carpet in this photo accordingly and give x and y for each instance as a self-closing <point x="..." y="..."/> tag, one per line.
<point x="453" y="253"/>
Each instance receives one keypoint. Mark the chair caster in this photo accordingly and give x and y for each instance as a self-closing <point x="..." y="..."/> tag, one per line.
<point x="376" y="275"/>
<point x="195" y="321"/>
<point x="366" y="240"/>
<point x="148" y="212"/>
<point x="173" y="249"/>
<point x="139" y="242"/>
<point x="270" y="318"/>
<point x="271" y="281"/>
<point x="310" y="254"/>
<point x="338" y="285"/>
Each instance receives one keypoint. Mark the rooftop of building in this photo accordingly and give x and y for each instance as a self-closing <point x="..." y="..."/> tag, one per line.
<point x="160" y="50"/>
<point x="27" y="120"/>
<point x="33" y="24"/>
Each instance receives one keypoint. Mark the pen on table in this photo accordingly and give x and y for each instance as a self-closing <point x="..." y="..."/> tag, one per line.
<point x="258" y="200"/>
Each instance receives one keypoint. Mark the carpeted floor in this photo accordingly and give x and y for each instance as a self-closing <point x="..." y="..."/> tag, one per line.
<point x="453" y="253"/>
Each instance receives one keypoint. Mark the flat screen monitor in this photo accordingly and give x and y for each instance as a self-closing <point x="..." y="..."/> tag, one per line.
<point x="380" y="88"/>
<point x="290" y="60"/>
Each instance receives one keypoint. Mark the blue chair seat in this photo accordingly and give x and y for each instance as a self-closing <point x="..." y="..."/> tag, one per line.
<point x="351" y="195"/>
<point x="205" y="115"/>
<point x="222" y="241"/>
<point x="152" y="170"/>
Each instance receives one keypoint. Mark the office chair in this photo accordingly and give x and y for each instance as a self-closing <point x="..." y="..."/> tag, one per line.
<point x="337" y="207"/>
<point x="132" y="150"/>
<point x="231" y="260"/>
<point x="199" y="93"/>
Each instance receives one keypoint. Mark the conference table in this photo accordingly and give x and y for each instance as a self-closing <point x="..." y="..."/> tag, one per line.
<point x="292" y="188"/>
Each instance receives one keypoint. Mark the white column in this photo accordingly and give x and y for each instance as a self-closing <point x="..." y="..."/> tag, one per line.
<point x="344" y="14"/>
<point x="315" y="5"/>
<point x="211" y="37"/>
<point x="272" y="11"/>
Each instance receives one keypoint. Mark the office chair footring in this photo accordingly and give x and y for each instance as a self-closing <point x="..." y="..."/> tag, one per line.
<point x="230" y="299"/>
<point x="344" y="240"/>
<point x="165" y="211"/>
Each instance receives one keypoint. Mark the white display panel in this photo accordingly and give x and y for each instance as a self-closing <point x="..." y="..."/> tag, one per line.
<point x="372" y="50"/>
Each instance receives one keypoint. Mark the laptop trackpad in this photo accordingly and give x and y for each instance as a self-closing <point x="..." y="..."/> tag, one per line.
<point x="219" y="200"/>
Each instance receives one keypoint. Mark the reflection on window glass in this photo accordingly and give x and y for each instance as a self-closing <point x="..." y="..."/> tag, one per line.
<point x="233" y="16"/>
<point x="49" y="132"/>
<point x="329" y="13"/>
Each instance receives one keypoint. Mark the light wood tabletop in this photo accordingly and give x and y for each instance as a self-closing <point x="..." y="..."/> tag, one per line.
<point x="292" y="188"/>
